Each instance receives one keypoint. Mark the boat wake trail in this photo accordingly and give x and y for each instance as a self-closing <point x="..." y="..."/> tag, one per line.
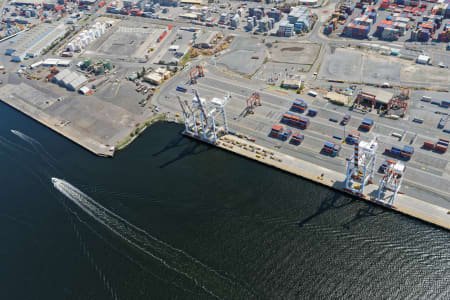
<point x="35" y="144"/>
<point x="204" y="277"/>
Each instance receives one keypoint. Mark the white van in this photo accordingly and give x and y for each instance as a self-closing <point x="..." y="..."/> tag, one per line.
<point x="312" y="93"/>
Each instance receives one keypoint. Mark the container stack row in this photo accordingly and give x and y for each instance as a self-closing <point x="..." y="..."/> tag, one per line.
<point x="294" y="120"/>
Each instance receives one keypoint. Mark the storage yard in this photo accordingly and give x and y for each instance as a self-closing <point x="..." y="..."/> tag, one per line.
<point x="334" y="94"/>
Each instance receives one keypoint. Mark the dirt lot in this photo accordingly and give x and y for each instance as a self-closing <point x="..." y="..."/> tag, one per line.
<point x="294" y="53"/>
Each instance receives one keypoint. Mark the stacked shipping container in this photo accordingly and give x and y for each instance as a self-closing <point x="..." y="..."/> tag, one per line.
<point x="356" y="31"/>
<point x="294" y="120"/>
<point x="279" y="132"/>
<point x="299" y="106"/>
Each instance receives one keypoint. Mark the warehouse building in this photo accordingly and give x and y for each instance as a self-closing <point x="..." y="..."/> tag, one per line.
<point x="68" y="79"/>
<point x="291" y="84"/>
<point x="33" y="42"/>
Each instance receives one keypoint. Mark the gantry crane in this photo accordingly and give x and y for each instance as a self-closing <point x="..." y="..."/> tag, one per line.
<point x="200" y="119"/>
<point x="391" y="181"/>
<point x="360" y="169"/>
<point x="253" y="100"/>
<point x="196" y="72"/>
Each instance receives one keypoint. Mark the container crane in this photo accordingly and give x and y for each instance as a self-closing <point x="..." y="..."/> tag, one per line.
<point x="360" y="169"/>
<point x="391" y="182"/>
<point x="196" y="72"/>
<point x="253" y="100"/>
<point x="206" y="129"/>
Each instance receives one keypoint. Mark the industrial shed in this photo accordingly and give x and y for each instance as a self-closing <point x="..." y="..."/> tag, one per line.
<point x="70" y="80"/>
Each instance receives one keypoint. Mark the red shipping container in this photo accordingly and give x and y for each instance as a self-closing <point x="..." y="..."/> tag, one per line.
<point x="441" y="149"/>
<point x="428" y="145"/>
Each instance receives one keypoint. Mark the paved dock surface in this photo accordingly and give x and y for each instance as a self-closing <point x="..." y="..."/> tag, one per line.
<point x="405" y="204"/>
<point x="53" y="123"/>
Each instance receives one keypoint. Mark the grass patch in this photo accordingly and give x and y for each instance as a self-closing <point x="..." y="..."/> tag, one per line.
<point x="185" y="58"/>
<point x="277" y="88"/>
<point x="138" y="130"/>
<point x="85" y="20"/>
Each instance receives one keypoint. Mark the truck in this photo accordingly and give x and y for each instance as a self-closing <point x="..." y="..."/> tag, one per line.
<point x="312" y="112"/>
<point x="331" y="148"/>
<point x="297" y="138"/>
<point x="404" y="154"/>
<point x="345" y="120"/>
<point x="366" y="124"/>
<point x="299" y="106"/>
<point x="443" y="122"/>
<point x="445" y="103"/>
<point x="279" y="132"/>
<point x="181" y="89"/>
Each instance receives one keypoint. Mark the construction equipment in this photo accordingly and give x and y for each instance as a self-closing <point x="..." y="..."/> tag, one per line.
<point x="360" y="169"/>
<point x="391" y="182"/>
<point x="396" y="104"/>
<point x="253" y="100"/>
<point x="196" y="72"/>
<point x="404" y="95"/>
<point x="365" y="97"/>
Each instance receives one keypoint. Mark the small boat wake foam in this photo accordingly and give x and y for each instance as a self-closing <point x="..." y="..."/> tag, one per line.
<point x="174" y="259"/>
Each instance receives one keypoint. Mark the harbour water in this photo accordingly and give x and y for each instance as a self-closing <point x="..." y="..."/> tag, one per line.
<point x="198" y="223"/>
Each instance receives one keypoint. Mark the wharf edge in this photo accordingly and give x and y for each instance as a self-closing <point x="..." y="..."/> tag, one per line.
<point x="70" y="133"/>
<point x="407" y="205"/>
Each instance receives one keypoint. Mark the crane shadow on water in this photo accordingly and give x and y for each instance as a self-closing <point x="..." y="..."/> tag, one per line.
<point x="192" y="148"/>
<point x="369" y="210"/>
<point x="174" y="143"/>
<point x="339" y="201"/>
<point x="335" y="202"/>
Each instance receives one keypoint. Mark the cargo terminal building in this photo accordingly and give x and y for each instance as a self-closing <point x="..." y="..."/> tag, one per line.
<point x="33" y="42"/>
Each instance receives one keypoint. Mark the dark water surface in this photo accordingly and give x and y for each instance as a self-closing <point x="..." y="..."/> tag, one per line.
<point x="209" y="225"/>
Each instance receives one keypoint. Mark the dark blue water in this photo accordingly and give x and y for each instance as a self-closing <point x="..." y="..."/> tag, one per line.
<point x="227" y="227"/>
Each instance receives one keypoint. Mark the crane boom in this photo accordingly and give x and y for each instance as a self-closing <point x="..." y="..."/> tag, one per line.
<point x="205" y="117"/>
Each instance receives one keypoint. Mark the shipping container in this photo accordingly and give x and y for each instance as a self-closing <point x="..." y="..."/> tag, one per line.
<point x="299" y="106"/>
<point x="445" y="103"/>
<point x="428" y="145"/>
<point x="297" y="138"/>
<point x="331" y="148"/>
<point x="294" y="120"/>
